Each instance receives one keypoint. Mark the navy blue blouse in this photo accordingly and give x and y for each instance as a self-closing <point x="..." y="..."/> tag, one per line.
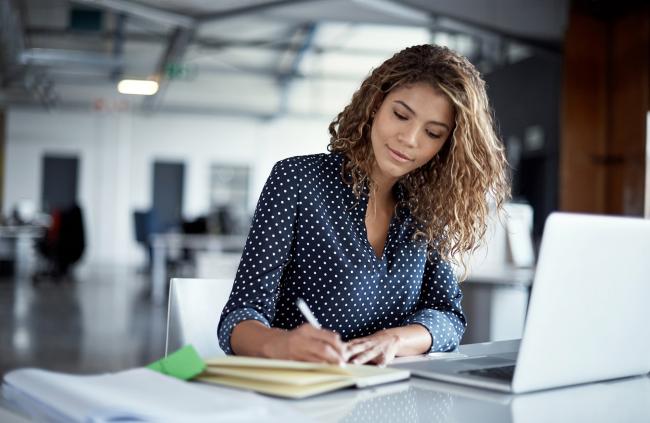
<point x="308" y="239"/>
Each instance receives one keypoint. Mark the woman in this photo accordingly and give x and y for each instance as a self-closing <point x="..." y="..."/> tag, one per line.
<point x="365" y="234"/>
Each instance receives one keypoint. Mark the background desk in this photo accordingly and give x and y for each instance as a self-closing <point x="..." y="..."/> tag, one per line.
<point x="495" y="302"/>
<point x="17" y="247"/>
<point x="421" y="400"/>
<point x="164" y="244"/>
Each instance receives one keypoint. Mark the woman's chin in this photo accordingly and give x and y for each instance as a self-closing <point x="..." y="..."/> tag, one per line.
<point x="392" y="171"/>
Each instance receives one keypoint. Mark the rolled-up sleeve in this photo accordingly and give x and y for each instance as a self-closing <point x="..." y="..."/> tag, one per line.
<point x="265" y="255"/>
<point x="439" y="307"/>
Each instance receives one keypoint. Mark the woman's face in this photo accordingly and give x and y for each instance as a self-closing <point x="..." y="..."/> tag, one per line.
<point x="409" y="128"/>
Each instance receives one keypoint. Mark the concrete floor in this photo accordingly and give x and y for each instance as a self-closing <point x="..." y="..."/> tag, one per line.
<point x="102" y="322"/>
<point x="105" y="321"/>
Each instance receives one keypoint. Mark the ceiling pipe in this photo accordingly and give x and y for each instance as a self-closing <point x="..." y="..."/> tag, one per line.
<point x="290" y="63"/>
<point x="13" y="71"/>
<point x="54" y="57"/>
<point x="178" y="43"/>
<point x="118" y="47"/>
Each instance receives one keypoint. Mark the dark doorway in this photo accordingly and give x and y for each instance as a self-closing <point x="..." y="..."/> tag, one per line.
<point x="526" y="100"/>
<point x="59" y="182"/>
<point x="167" y="201"/>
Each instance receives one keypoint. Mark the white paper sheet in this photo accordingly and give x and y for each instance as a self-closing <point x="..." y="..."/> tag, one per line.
<point x="140" y="394"/>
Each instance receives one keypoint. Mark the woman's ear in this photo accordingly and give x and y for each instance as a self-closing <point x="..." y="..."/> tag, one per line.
<point x="371" y="118"/>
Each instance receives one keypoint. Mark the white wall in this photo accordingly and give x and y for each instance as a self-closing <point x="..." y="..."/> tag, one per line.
<point x="117" y="151"/>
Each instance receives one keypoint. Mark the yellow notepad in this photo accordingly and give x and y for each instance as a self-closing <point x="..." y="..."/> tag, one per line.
<point x="293" y="379"/>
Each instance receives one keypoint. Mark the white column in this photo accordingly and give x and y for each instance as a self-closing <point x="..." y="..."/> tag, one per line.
<point x="647" y="167"/>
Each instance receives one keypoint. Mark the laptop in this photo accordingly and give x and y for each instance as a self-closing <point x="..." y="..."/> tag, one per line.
<point x="588" y="317"/>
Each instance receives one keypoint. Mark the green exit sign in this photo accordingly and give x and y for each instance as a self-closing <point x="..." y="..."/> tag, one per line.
<point x="180" y="71"/>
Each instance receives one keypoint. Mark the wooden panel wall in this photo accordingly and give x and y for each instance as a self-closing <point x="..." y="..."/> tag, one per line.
<point x="584" y="115"/>
<point x="606" y="95"/>
<point x="630" y="94"/>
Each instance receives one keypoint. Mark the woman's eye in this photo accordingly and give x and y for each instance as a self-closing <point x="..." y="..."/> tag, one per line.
<point x="400" y="116"/>
<point x="433" y="135"/>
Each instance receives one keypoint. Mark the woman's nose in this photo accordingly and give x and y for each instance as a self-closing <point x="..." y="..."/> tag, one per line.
<point x="408" y="135"/>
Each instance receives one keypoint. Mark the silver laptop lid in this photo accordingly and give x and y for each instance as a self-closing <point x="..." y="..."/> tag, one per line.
<point x="589" y="315"/>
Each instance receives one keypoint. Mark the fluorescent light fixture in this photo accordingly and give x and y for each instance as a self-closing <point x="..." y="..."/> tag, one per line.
<point x="137" y="87"/>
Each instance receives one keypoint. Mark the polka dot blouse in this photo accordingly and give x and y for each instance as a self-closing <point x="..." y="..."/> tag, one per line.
<point x="308" y="240"/>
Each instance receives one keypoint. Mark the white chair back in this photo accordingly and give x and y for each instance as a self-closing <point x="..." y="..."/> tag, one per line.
<point x="508" y="242"/>
<point x="193" y="314"/>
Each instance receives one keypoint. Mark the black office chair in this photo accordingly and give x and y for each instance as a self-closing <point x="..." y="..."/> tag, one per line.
<point x="62" y="246"/>
<point x="145" y="225"/>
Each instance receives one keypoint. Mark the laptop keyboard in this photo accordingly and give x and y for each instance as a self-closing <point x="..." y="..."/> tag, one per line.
<point x="505" y="373"/>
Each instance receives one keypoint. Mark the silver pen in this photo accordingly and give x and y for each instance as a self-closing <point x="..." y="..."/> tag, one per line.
<point x="304" y="309"/>
<point x="311" y="319"/>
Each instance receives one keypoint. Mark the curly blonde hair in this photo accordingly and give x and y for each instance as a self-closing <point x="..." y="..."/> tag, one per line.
<point x="449" y="196"/>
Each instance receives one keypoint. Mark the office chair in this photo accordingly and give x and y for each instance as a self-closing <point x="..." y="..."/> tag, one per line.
<point x="145" y="225"/>
<point x="193" y="314"/>
<point x="62" y="246"/>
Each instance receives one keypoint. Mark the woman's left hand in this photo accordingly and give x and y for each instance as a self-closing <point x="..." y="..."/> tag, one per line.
<point x="379" y="348"/>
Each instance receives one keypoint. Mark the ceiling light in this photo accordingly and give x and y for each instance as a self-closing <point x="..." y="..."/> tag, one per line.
<point x="137" y="87"/>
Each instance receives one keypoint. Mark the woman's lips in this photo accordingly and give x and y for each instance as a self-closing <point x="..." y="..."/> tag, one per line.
<point x="398" y="156"/>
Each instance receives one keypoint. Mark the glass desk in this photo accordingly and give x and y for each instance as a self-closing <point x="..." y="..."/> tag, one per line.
<point x="420" y="400"/>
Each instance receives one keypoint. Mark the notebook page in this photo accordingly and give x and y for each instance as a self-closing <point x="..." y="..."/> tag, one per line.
<point x="242" y="361"/>
<point x="278" y="389"/>
<point x="269" y="363"/>
<point x="283" y="376"/>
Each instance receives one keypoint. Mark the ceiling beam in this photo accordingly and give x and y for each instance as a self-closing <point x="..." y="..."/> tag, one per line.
<point x="118" y="46"/>
<point x="142" y="11"/>
<point x="245" y="10"/>
<point x="398" y="9"/>
<point x="183" y="36"/>
<point x="208" y="43"/>
<point x="300" y="42"/>
<point x="290" y="62"/>
<point x="446" y="23"/>
<point x="174" y="53"/>
<point x="212" y="111"/>
<point x="63" y="76"/>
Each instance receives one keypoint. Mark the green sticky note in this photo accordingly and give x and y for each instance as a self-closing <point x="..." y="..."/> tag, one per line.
<point x="183" y="364"/>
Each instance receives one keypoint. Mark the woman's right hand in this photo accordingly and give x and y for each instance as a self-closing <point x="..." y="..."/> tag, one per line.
<point x="307" y="343"/>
